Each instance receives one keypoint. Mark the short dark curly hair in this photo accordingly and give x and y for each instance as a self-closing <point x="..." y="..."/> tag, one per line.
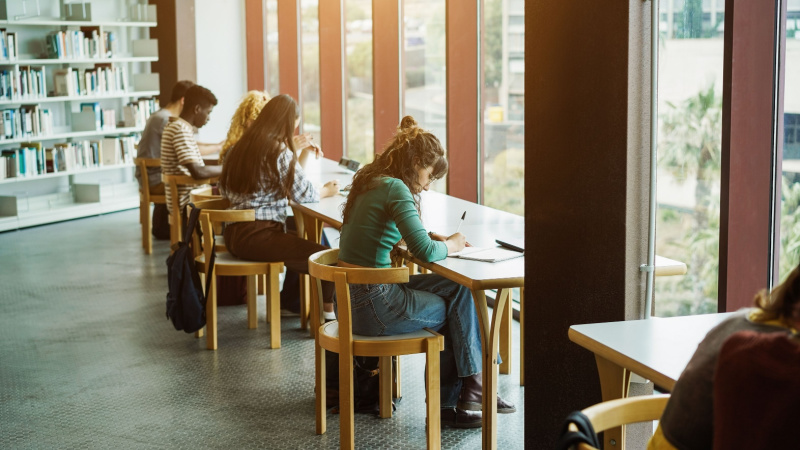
<point x="198" y="95"/>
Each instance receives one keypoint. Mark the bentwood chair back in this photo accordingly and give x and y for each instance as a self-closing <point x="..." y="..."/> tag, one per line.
<point x="214" y="213"/>
<point x="145" y="198"/>
<point x="171" y="183"/>
<point x="616" y="413"/>
<point x="337" y="336"/>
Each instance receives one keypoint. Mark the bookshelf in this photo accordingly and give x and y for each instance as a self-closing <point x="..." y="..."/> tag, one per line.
<point x="76" y="88"/>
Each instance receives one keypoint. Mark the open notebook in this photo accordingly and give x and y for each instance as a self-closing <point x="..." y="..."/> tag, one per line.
<point x="487" y="254"/>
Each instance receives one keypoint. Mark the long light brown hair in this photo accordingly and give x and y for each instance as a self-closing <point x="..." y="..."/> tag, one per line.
<point x="246" y="113"/>
<point x="410" y="148"/>
<point x="252" y="164"/>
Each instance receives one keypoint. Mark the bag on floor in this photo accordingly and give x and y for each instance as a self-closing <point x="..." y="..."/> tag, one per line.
<point x="186" y="300"/>
<point x="366" y="384"/>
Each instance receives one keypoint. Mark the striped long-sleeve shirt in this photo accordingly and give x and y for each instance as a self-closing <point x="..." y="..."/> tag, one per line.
<point x="270" y="205"/>
<point x="179" y="148"/>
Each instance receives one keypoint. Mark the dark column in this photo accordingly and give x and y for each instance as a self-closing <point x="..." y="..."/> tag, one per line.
<point x="177" y="44"/>
<point x="748" y="121"/>
<point x="587" y="88"/>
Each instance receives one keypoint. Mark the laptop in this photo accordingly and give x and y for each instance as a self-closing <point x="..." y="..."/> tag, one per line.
<point x="516" y="244"/>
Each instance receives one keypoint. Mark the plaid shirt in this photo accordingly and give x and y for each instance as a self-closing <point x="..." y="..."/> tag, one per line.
<point x="269" y="205"/>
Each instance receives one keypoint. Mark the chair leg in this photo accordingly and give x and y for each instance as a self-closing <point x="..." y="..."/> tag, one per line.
<point x="346" y="407"/>
<point x="385" y="386"/>
<point x="252" y="309"/>
<point x="321" y="390"/>
<point x="199" y="333"/>
<point x="147" y="238"/>
<point x="273" y="305"/>
<point x="505" y="333"/>
<point x="432" y="399"/>
<point x="397" y="393"/>
<point x="211" y="315"/>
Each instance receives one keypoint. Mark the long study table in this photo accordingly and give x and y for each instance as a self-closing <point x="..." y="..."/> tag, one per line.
<point x="442" y="214"/>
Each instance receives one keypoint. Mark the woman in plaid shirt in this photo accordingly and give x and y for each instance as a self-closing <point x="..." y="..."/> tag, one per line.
<point x="262" y="172"/>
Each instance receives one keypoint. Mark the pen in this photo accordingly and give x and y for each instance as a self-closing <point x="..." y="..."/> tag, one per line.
<point x="461" y="222"/>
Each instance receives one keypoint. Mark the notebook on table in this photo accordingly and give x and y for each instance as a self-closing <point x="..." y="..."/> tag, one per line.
<point x="487" y="254"/>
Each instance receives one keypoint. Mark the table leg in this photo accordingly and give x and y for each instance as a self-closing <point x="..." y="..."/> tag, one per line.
<point x="505" y="331"/>
<point x="614" y="384"/>
<point x="489" y="343"/>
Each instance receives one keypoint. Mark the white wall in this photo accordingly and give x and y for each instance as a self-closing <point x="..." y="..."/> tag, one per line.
<point x="221" y="61"/>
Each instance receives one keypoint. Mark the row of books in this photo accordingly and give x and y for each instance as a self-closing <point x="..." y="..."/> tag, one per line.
<point x="9" y="47"/>
<point x="87" y="42"/>
<point x="135" y="114"/>
<point x="102" y="79"/>
<point x="31" y="159"/>
<point x="25" y="121"/>
<point x="27" y="82"/>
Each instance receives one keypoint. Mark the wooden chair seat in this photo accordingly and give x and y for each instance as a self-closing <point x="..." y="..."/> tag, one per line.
<point x="213" y="213"/>
<point x="409" y="343"/>
<point x="337" y="336"/>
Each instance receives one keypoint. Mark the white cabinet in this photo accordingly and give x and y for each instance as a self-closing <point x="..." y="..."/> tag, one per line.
<point x="68" y="88"/>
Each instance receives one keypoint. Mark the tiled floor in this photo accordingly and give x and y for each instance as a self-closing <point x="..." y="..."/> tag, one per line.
<point x="89" y="360"/>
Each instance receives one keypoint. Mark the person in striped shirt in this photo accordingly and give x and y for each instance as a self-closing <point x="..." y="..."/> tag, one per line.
<point x="180" y="153"/>
<point x="262" y="172"/>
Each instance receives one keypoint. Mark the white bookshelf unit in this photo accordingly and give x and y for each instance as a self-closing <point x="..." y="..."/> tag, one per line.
<point x="116" y="40"/>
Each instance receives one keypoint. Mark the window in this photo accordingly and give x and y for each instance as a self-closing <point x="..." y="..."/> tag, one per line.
<point x="424" y="90"/>
<point x="271" y="47"/>
<point x="689" y="149"/>
<point x="309" y="22"/>
<point x="790" y="179"/>
<point x="503" y="159"/>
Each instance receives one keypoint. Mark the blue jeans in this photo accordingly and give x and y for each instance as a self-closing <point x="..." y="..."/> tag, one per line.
<point x="426" y="301"/>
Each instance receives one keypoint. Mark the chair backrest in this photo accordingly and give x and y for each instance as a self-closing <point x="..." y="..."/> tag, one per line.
<point x="322" y="267"/>
<point x="143" y="164"/>
<point x="171" y="183"/>
<point x="213" y="213"/>
<point x="614" y="413"/>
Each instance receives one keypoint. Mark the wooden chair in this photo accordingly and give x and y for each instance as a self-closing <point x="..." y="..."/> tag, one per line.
<point x="616" y="413"/>
<point x="145" y="198"/>
<point x="337" y="336"/>
<point x="206" y="193"/>
<point x="171" y="183"/>
<point x="214" y="212"/>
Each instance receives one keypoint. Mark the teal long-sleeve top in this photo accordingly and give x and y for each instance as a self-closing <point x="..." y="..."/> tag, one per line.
<point x="378" y="220"/>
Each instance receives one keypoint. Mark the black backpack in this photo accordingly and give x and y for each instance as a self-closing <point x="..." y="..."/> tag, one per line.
<point x="186" y="300"/>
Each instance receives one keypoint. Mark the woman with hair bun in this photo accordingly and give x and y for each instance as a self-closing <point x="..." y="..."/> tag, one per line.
<point x="382" y="208"/>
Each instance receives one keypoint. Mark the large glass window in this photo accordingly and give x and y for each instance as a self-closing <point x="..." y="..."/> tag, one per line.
<point x="358" y="81"/>
<point x="424" y="64"/>
<point x="790" y="180"/>
<point x="309" y="22"/>
<point x="689" y="147"/>
<point x="503" y="98"/>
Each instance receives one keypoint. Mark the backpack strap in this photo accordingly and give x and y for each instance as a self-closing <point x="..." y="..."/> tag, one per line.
<point x="584" y="435"/>
<point x="191" y="224"/>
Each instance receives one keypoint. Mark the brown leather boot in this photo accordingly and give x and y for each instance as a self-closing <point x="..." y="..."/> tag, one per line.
<point x="472" y="394"/>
